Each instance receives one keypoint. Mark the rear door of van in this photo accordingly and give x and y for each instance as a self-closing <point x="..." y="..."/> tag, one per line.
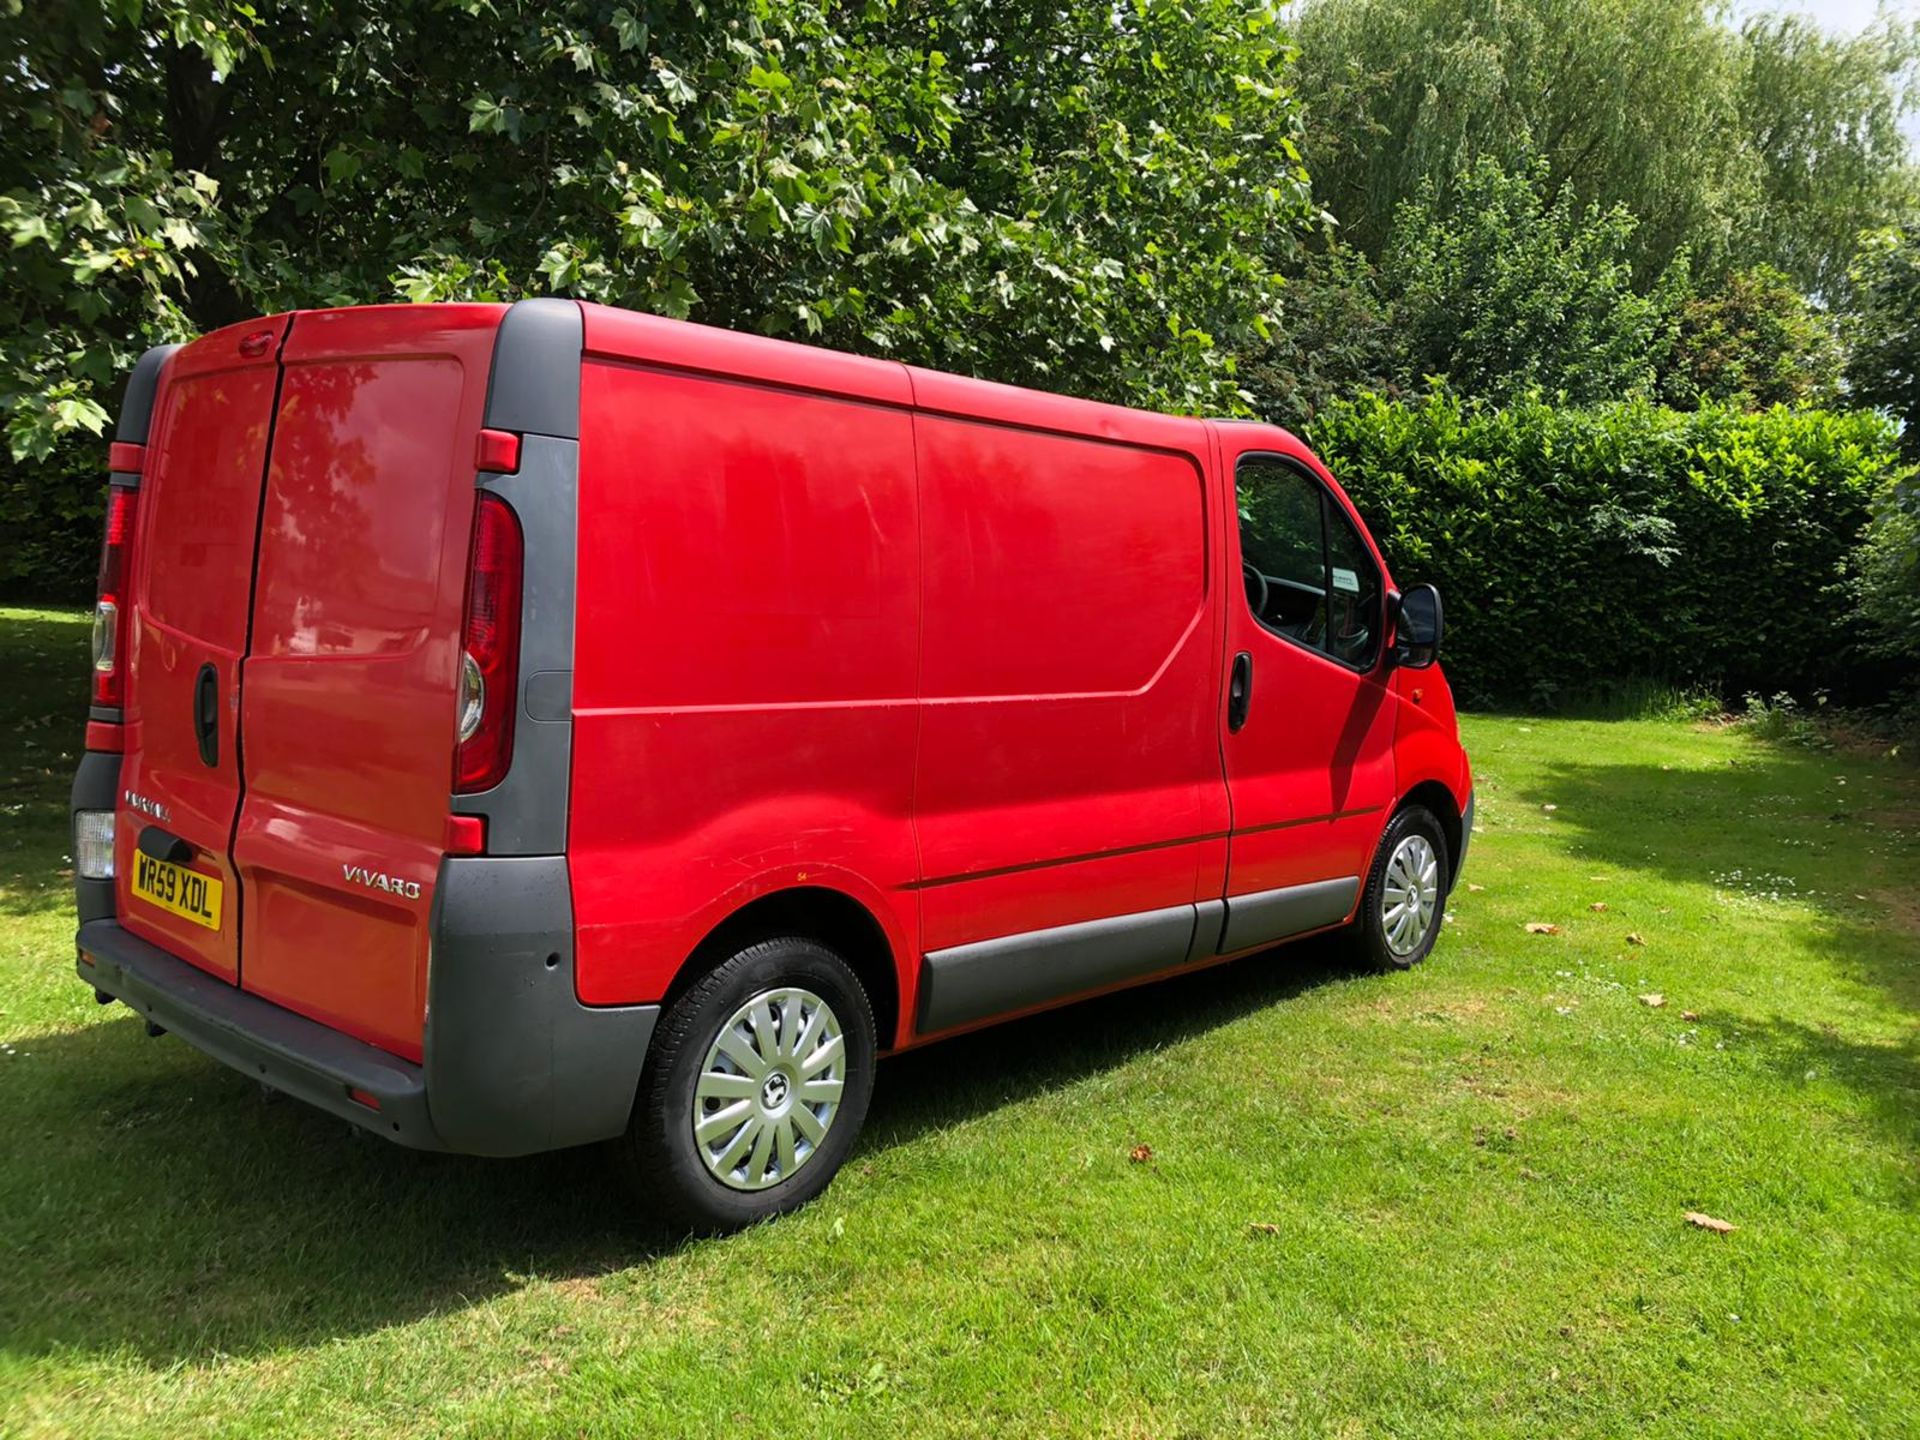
<point x="348" y="698"/>
<point x="304" y="519"/>
<point x="198" y="507"/>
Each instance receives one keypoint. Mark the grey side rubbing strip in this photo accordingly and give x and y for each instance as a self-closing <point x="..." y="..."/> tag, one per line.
<point x="514" y="1062"/>
<point x="527" y="811"/>
<point x="1291" y="910"/>
<point x="1209" y="918"/>
<point x="535" y="384"/>
<point x="993" y="977"/>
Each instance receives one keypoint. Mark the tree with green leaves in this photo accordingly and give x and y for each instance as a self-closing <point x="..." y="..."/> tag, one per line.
<point x="1883" y="362"/>
<point x="1504" y="286"/>
<point x="1883" y="370"/>
<point x="1769" y="144"/>
<point x="1754" y="340"/>
<point x="1083" y="200"/>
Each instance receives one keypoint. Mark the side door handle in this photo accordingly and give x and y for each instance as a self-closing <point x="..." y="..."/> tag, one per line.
<point x="206" y="713"/>
<point x="1240" y="691"/>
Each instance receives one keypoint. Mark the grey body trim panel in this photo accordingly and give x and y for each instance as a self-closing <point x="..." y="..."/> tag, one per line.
<point x="994" y="977"/>
<point x="535" y="384"/>
<point x="136" y="406"/>
<point x="1269" y="915"/>
<point x="96" y="786"/>
<point x="527" y="811"/>
<point x="534" y="390"/>
<point x="256" y="1037"/>
<point x="515" y="1063"/>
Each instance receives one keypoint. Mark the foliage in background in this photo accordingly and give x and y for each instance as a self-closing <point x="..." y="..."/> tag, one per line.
<point x="1883" y="361"/>
<point x="1821" y="113"/>
<point x="1336" y="335"/>
<point x="1773" y="144"/>
<point x="1752" y="341"/>
<point x="1508" y="286"/>
<point x="1085" y="200"/>
<point x="1698" y="548"/>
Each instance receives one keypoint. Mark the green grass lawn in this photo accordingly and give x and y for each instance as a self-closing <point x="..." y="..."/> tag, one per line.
<point x="1438" y="1203"/>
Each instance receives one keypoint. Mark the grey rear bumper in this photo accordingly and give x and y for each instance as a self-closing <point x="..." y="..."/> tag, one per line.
<point x="514" y="1064"/>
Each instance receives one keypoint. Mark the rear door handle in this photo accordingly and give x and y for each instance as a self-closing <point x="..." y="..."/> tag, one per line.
<point x="1240" y="691"/>
<point x="206" y="713"/>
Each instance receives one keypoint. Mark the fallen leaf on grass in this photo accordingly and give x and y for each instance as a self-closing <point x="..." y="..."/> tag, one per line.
<point x="1653" y="1001"/>
<point x="1707" y="1222"/>
<point x="1549" y="808"/>
<point x="1475" y="889"/>
<point x="1264" y="1227"/>
<point x="1689" y="1015"/>
<point x="1140" y="1154"/>
<point x="1541" y="927"/>
<point x="1636" y="938"/>
<point x="1597" y="906"/>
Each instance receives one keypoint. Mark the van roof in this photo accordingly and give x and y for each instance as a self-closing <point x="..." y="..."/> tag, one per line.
<point x="682" y="344"/>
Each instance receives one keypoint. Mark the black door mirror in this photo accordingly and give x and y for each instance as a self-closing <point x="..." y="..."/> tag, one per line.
<point x="1417" y="623"/>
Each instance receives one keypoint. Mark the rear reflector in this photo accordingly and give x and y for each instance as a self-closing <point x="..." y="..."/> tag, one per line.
<point x="93" y="844"/>
<point x="497" y="451"/>
<point x="490" y="656"/>
<point x="362" y="1097"/>
<point x="466" y="835"/>
<point x="126" y="458"/>
<point x="110" y="609"/>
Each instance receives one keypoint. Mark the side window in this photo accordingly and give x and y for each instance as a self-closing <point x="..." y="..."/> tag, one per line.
<point x="1283" y="549"/>
<point x="1308" y="574"/>
<point x="1353" y="592"/>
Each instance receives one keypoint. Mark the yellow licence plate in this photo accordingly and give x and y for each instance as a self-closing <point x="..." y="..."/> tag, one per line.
<point x="172" y="887"/>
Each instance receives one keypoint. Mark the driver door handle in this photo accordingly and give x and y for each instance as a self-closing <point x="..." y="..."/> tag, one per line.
<point x="1239" y="691"/>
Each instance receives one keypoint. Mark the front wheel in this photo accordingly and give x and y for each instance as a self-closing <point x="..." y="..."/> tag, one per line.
<point x="754" y="1089"/>
<point x="1406" y="892"/>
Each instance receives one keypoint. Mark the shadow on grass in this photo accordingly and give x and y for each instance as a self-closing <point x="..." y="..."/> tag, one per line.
<point x="1777" y="823"/>
<point x="158" y="1205"/>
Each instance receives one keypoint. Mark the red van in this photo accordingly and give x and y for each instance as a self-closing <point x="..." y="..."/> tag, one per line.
<point x="519" y="726"/>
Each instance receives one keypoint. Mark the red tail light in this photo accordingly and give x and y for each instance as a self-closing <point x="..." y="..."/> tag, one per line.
<point x="110" y="610"/>
<point x="490" y="650"/>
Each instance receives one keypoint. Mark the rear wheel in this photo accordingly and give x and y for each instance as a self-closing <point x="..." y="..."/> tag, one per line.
<point x="1405" y="898"/>
<point x="754" y="1090"/>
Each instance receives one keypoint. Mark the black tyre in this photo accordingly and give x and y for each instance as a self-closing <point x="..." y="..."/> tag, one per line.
<point x="754" y="1090"/>
<point x="1405" y="897"/>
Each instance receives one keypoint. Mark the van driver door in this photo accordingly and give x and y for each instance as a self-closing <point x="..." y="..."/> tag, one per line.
<point x="1308" y="720"/>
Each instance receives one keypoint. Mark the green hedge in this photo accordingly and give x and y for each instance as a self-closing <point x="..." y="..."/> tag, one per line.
<point x="1578" y="547"/>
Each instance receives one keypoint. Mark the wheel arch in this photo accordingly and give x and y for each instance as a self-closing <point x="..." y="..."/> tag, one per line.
<point x="1438" y="799"/>
<point x="830" y="917"/>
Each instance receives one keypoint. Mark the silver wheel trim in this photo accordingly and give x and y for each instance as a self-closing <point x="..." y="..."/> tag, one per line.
<point x="769" y="1089"/>
<point x="1410" y="896"/>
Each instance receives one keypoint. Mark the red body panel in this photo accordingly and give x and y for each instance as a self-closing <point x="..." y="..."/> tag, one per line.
<point x="745" y="661"/>
<point x="349" y="691"/>
<point x="1068" y="768"/>
<point x="193" y="569"/>
<point x="1312" y="771"/>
